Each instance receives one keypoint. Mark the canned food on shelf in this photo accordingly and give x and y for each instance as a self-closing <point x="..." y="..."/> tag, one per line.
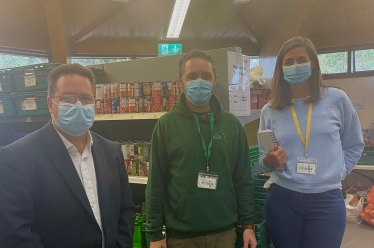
<point x="156" y="103"/>
<point x="147" y="89"/>
<point x="156" y="88"/>
<point x="115" y="105"/>
<point x="171" y="101"/>
<point x="114" y="89"/>
<point x="107" y="106"/>
<point x="132" y="105"/>
<point x="123" y="89"/>
<point x="99" y="92"/>
<point x="99" y="106"/>
<point x="164" y="106"/>
<point x="124" y="105"/>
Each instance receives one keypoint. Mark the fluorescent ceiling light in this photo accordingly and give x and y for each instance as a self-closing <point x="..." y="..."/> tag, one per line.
<point x="177" y="18"/>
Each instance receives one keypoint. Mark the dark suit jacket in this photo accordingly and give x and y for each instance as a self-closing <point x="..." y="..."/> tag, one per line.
<point x="43" y="202"/>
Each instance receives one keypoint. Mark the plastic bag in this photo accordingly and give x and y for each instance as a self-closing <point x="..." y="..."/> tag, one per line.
<point x="256" y="75"/>
<point x="353" y="211"/>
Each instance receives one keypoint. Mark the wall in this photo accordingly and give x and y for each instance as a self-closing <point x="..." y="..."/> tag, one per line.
<point x="359" y="90"/>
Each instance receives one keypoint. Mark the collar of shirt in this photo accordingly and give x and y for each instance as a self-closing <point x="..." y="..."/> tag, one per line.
<point x="72" y="149"/>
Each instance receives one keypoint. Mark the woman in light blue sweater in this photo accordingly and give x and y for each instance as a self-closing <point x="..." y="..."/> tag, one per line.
<point x="319" y="143"/>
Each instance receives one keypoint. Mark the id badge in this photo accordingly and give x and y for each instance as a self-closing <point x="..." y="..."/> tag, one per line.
<point x="306" y="165"/>
<point x="207" y="180"/>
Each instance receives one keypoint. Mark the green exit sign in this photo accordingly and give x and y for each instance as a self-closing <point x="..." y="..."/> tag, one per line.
<point x="169" y="49"/>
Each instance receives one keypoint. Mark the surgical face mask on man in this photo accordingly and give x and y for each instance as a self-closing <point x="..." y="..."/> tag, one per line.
<point x="199" y="91"/>
<point x="74" y="119"/>
<point x="297" y="74"/>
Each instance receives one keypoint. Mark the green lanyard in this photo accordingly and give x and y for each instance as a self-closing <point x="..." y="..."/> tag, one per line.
<point x="207" y="152"/>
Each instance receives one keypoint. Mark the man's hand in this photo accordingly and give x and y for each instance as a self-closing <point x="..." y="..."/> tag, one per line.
<point x="249" y="239"/>
<point x="276" y="157"/>
<point x="158" y="244"/>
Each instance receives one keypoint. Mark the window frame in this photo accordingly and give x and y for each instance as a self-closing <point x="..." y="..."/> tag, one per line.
<point x="351" y="72"/>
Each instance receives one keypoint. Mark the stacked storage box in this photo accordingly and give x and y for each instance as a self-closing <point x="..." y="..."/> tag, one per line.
<point x="254" y="153"/>
<point x="261" y="236"/>
<point x="6" y="88"/>
<point x="30" y="84"/>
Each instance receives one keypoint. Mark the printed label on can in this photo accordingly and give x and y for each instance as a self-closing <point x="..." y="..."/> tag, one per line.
<point x="156" y="88"/>
<point x="99" y="91"/>
<point x="132" y="105"/>
<point x="156" y="104"/>
<point x="128" y="166"/>
<point x="115" y="105"/>
<point x="171" y="102"/>
<point x="99" y="107"/>
<point x="107" y="106"/>
<point x="147" y="89"/>
<point x="164" y="90"/>
<point x="124" y="105"/>
<point x="136" y="89"/>
<point x="123" y="89"/>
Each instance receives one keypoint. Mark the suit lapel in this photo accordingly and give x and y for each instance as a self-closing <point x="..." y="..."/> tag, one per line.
<point x="61" y="160"/>
<point x="101" y="170"/>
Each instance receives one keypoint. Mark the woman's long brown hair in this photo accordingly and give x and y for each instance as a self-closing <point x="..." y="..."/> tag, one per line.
<point x="281" y="95"/>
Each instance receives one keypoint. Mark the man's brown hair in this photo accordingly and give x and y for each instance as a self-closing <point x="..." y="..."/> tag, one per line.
<point x="64" y="69"/>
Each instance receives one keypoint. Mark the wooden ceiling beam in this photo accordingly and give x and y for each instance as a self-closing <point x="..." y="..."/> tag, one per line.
<point x="246" y="28"/>
<point x="85" y="32"/>
<point x="355" y="38"/>
<point x="56" y="29"/>
<point x="125" y="48"/>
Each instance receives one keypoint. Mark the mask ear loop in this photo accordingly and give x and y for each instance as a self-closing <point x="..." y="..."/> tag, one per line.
<point x="53" y="118"/>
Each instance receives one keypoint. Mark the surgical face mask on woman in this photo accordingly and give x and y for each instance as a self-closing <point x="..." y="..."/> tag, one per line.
<point x="74" y="119"/>
<point x="297" y="74"/>
<point x="199" y="91"/>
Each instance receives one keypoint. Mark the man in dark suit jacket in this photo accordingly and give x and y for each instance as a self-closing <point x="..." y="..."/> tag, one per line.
<point x="62" y="188"/>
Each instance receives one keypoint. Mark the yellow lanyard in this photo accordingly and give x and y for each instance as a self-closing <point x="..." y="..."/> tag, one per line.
<point x="308" y="124"/>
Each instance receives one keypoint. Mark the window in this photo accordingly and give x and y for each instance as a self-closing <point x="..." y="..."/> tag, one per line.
<point x="254" y="61"/>
<point x="364" y="60"/>
<point x="11" y="60"/>
<point x="96" y="61"/>
<point x="332" y="63"/>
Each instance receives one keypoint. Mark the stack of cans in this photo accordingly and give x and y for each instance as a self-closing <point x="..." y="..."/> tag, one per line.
<point x="136" y="97"/>
<point x="136" y="155"/>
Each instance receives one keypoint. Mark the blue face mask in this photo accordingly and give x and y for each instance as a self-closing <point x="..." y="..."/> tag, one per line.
<point x="297" y="74"/>
<point x="76" y="119"/>
<point x="199" y="91"/>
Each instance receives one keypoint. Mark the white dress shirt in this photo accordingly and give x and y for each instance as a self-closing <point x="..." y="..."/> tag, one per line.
<point x="84" y="164"/>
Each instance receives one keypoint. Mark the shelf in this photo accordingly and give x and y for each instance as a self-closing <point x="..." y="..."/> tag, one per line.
<point x="35" y="118"/>
<point x="134" y="116"/>
<point x="138" y="179"/>
<point x="364" y="167"/>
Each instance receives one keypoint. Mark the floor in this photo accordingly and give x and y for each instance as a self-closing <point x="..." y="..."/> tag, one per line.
<point x="358" y="236"/>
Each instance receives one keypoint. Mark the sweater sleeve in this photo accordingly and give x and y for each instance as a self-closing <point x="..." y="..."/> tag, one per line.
<point x="242" y="181"/>
<point x="156" y="185"/>
<point x="352" y="141"/>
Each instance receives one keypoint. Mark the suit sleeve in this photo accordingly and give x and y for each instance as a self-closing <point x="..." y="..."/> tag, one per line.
<point x="156" y="185"/>
<point x="127" y="211"/>
<point x="16" y="204"/>
<point x="242" y="180"/>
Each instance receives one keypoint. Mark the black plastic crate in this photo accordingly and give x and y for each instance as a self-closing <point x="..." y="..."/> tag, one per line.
<point x="6" y="106"/>
<point x="6" y="81"/>
<point x="33" y="103"/>
<point x="33" y="77"/>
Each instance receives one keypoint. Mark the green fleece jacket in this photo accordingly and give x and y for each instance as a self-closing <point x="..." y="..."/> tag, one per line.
<point x="172" y="196"/>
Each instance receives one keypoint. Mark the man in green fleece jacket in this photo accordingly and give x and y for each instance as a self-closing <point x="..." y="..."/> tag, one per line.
<point x="200" y="180"/>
